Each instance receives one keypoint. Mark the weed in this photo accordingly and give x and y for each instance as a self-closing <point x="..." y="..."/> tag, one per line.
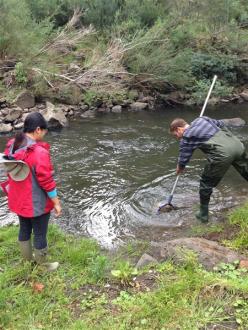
<point x="231" y="270"/>
<point x="239" y="218"/>
<point x="20" y="73"/>
<point x="124" y="272"/>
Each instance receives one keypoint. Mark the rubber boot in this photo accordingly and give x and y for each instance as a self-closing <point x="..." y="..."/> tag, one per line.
<point x="202" y="214"/>
<point x="26" y="250"/>
<point x="40" y="257"/>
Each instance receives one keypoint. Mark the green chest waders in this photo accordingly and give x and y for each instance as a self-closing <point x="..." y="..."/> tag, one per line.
<point x="222" y="150"/>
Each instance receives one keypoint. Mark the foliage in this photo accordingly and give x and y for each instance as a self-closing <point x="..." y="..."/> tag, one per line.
<point x="200" y="89"/>
<point x="19" y="34"/>
<point x="203" y="66"/>
<point x="231" y="270"/>
<point x="20" y="73"/>
<point x="124" y="272"/>
<point x="180" y="42"/>
<point x="239" y="218"/>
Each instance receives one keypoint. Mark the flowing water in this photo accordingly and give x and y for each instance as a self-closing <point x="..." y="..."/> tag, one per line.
<point x="114" y="171"/>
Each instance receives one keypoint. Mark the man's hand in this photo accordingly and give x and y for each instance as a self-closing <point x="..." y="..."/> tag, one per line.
<point x="179" y="170"/>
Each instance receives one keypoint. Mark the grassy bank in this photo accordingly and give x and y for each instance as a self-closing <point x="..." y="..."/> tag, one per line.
<point x="84" y="294"/>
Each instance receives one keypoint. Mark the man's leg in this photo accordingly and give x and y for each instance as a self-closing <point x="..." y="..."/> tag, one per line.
<point x="211" y="176"/>
<point x="241" y="165"/>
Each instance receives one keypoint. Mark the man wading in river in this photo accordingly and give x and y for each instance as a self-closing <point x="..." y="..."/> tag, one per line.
<point x="222" y="150"/>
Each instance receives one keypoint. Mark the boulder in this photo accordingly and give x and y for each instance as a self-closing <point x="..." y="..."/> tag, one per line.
<point x="84" y="107"/>
<point x="12" y="115"/>
<point x="146" y="99"/>
<point x="70" y="94"/>
<point x="19" y="125"/>
<point x="3" y="102"/>
<point x="25" y="100"/>
<point x="213" y="101"/>
<point x="55" y="117"/>
<point x="145" y="260"/>
<point x="5" y="128"/>
<point x="138" y="106"/>
<point x="244" y="95"/>
<point x="117" y="109"/>
<point x="103" y="110"/>
<point x="243" y="264"/>
<point x="88" y="114"/>
<point x="234" y="122"/>
<point x="209" y="253"/>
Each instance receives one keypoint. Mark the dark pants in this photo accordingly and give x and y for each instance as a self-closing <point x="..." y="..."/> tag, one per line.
<point x="223" y="150"/>
<point x="38" y="225"/>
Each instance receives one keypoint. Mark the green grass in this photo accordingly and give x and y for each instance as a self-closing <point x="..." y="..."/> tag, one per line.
<point x="203" y="229"/>
<point x="239" y="218"/>
<point x="77" y="296"/>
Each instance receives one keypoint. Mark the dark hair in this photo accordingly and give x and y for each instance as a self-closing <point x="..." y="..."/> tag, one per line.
<point x="34" y="120"/>
<point x="31" y="122"/>
<point x="178" y="122"/>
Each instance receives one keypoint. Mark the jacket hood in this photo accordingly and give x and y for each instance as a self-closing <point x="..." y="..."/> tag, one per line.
<point x="21" y="153"/>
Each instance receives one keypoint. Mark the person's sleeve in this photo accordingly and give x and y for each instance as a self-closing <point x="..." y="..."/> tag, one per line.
<point x="186" y="149"/>
<point x="218" y="123"/>
<point x="44" y="173"/>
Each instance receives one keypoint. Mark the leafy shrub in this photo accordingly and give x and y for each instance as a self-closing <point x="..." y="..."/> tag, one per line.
<point x="124" y="272"/>
<point x="20" y="34"/>
<point x="20" y="73"/>
<point x="201" y="87"/>
<point x="204" y="66"/>
<point x="98" y="267"/>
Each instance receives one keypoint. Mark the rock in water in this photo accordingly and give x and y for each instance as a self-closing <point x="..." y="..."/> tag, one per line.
<point x="55" y="116"/>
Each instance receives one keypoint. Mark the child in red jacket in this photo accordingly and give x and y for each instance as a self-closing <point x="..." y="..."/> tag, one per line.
<point x="33" y="198"/>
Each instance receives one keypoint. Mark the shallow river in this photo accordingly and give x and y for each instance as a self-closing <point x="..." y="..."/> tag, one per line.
<point x="114" y="171"/>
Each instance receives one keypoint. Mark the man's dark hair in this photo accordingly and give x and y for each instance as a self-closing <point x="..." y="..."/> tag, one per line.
<point x="177" y="122"/>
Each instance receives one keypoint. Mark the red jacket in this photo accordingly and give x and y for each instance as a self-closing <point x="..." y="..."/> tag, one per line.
<point x="28" y="198"/>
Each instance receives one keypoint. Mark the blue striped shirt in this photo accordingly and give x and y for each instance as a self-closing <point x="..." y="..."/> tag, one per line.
<point x="199" y="131"/>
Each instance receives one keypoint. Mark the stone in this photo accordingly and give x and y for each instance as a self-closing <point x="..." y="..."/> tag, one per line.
<point x="3" y="101"/>
<point x="25" y="100"/>
<point x="117" y="109"/>
<point x="145" y="260"/>
<point x="103" y="110"/>
<point x="213" y="101"/>
<point x="138" y="106"/>
<point x="209" y="253"/>
<point x="5" y="128"/>
<point x="13" y="115"/>
<point x="24" y="117"/>
<point x="19" y="125"/>
<point x="70" y="94"/>
<point x="234" y="122"/>
<point x="243" y="264"/>
<point x="4" y="112"/>
<point x="244" y="95"/>
<point x="54" y="116"/>
<point x="88" y="114"/>
<point x="84" y="107"/>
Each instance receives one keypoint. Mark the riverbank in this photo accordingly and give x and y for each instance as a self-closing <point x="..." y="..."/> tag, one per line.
<point x="58" y="115"/>
<point x="148" y="53"/>
<point x="93" y="289"/>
